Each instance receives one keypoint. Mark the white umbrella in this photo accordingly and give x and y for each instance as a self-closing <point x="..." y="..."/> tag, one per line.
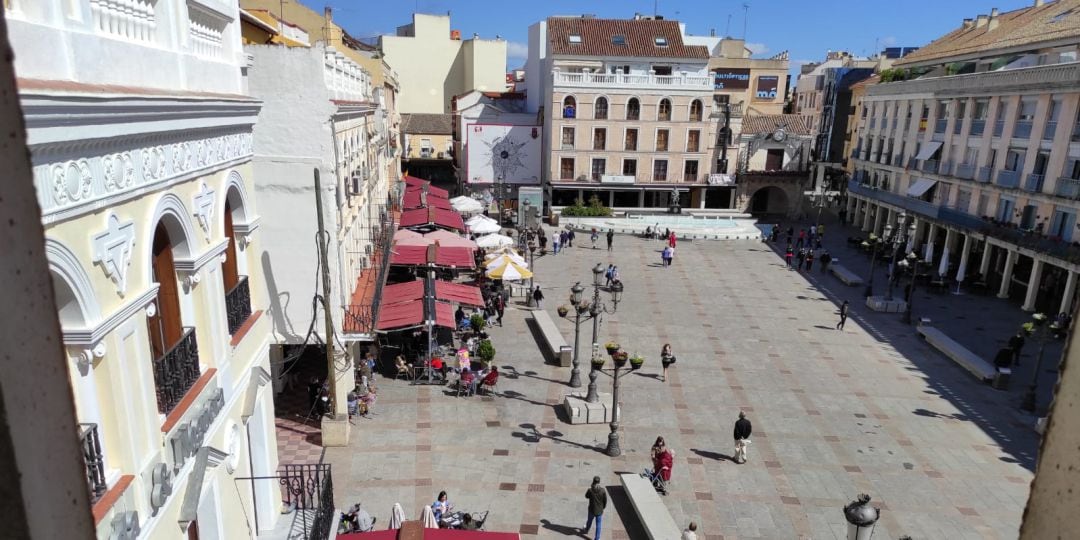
<point x="427" y="517"/>
<point x="466" y="205"/>
<point x="479" y="218"/>
<point x="494" y="241"/>
<point x="499" y="260"/>
<point x="397" y="516"/>
<point x="485" y="227"/>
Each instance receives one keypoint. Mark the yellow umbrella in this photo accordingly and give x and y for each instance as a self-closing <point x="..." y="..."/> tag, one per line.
<point x="500" y="260"/>
<point x="510" y="271"/>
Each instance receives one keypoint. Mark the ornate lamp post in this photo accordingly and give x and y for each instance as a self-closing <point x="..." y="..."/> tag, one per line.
<point x="876" y="243"/>
<point x="580" y="308"/>
<point x="912" y="262"/>
<point x="861" y="518"/>
<point x="898" y="242"/>
<point x="1038" y="329"/>
<point x="596" y="309"/>
<point x="532" y="252"/>
<point x="619" y="359"/>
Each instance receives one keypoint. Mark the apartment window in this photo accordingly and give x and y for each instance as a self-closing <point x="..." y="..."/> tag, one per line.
<point x="599" y="168"/>
<point x="630" y="142"/>
<point x="633" y="109"/>
<point x="1005" y="208"/>
<point x="943" y="109"/>
<point x="659" y="170"/>
<point x="925" y="112"/>
<point x="722" y="99"/>
<point x="663" y="110"/>
<point x="696" y="110"/>
<point x="723" y="137"/>
<point x="971" y="156"/>
<point x="1074" y="169"/>
<point x="625" y="70"/>
<point x="599" y="139"/>
<point x="984" y="202"/>
<point x="1062" y="223"/>
<point x="662" y="70"/>
<point x="629" y="167"/>
<point x="1014" y="160"/>
<point x="566" y="169"/>
<point x="567" y="137"/>
<point x="693" y="140"/>
<point x="690" y="170"/>
<point x="618" y="40"/>
<point x="1027" y="110"/>
<point x="600" y="112"/>
<point x="569" y="107"/>
<point x="661" y="140"/>
<point x="774" y="159"/>
<point x="982" y="107"/>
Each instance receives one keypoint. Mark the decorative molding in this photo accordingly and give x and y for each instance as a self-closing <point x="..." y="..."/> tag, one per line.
<point x="204" y="209"/>
<point x="125" y="526"/>
<point x="64" y="263"/>
<point x="189" y="266"/>
<point x="88" y="337"/>
<point x="85" y="357"/>
<point x="113" y="250"/>
<point x="258" y="378"/>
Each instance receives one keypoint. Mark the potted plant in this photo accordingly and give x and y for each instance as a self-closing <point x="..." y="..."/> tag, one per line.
<point x="598" y="362"/>
<point x="486" y="351"/>
<point x="477" y="323"/>
<point x="620" y="358"/>
<point x="611" y="347"/>
<point x="563" y="310"/>
<point x="636" y="361"/>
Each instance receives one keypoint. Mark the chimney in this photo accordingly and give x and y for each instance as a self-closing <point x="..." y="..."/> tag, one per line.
<point x="981" y="21"/>
<point x="1039" y="3"/>
<point x="993" y="22"/>
<point x="968" y="23"/>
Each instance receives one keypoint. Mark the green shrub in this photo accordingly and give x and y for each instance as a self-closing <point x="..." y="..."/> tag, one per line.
<point x="477" y="323"/>
<point x="594" y="209"/>
<point x="486" y="351"/>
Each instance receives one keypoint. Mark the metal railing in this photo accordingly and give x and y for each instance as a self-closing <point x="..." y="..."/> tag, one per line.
<point x="999" y="126"/>
<point x="1008" y="179"/>
<point x="1022" y="130"/>
<point x="987" y="83"/>
<point x="1049" y="130"/>
<point x="1068" y="188"/>
<point x="985" y="173"/>
<point x="309" y="489"/>
<point x="238" y="305"/>
<point x="958" y="126"/>
<point x="945" y="168"/>
<point x="1034" y="182"/>
<point x="939" y="125"/>
<point x="701" y="82"/>
<point x="965" y="170"/>
<point x="977" y="127"/>
<point x="94" y="460"/>
<point x="176" y="371"/>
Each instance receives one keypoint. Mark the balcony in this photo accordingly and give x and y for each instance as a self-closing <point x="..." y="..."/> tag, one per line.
<point x="999" y="126"/>
<point x="985" y="173"/>
<point x="1008" y="179"/>
<point x="176" y="372"/>
<point x="1068" y="188"/>
<point x="958" y="126"/>
<point x="1022" y="129"/>
<point x="1034" y="182"/>
<point x="965" y="171"/>
<point x="977" y="127"/>
<point x="918" y="206"/>
<point x="930" y="166"/>
<point x="893" y="123"/>
<point x="94" y="460"/>
<point x="897" y="160"/>
<point x="939" y="125"/>
<point x="945" y="168"/>
<point x="606" y="80"/>
<point x="873" y="123"/>
<point x="989" y="83"/>
<point x="308" y="491"/>
<point x="238" y="305"/>
<point x="1049" y="130"/>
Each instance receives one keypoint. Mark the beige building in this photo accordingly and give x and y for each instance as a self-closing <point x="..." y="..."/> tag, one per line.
<point x="855" y="112"/>
<point x="429" y="147"/>
<point x="434" y="63"/>
<point x="627" y="108"/>
<point x="977" y="138"/>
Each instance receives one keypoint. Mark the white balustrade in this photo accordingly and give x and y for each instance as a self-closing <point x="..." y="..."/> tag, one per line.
<point x="1037" y="77"/>
<point x="682" y="81"/>
<point x="346" y="79"/>
<point x="127" y="19"/>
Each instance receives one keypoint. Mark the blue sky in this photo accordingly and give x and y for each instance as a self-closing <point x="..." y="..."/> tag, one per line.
<point x="806" y="29"/>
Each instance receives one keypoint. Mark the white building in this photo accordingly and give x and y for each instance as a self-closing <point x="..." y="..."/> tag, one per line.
<point x="486" y="123"/>
<point x="140" y="134"/>
<point x="976" y="138"/>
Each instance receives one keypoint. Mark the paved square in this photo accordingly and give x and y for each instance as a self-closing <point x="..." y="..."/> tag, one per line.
<point x="868" y="410"/>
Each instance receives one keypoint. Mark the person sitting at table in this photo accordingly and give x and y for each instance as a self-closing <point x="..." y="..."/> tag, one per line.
<point x="492" y="378"/>
<point x="438" y="366"/>
<point x="468" y="380"/>
<point x="441" y="507"/>
<point x="403" y="367"/>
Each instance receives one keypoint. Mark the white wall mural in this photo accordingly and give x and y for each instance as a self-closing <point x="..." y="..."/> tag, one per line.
<point x="506" y="152"/>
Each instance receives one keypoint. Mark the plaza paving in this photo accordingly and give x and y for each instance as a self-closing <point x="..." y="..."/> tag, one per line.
<point x="868" y="410"/>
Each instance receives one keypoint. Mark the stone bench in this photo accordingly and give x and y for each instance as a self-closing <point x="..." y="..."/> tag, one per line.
<point x="970" y="361"/>
<point x="843" y="274"/>
<point x="650" y="510"/>
<point x="560" y="352"/>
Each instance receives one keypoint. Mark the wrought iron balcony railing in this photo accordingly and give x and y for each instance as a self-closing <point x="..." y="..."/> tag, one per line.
<point x="930" y="166"/>
<point x="984" y="174"/>
<point x="1008" y="179"/>
<point x="1034" y="182"/>
<point x="977" y="127"/>
<point x="94" y="459"/>
<point x="309" y="488"/>
<point x="965" y="170"/>
<point x="1049" y="130"/>
<point x="176" y="372"/>
<point x="1068" y="188"/>
<point x="238" y="305"/>
<point x="1022" y="130"/>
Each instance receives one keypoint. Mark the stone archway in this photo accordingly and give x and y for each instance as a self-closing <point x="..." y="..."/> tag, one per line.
<point x="769" y="200"/>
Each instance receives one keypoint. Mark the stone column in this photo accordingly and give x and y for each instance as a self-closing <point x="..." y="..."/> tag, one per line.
<point x="1006" y="276"/>
<point x="965" y="253"/>
<point x="877" y="219"/>
<point x="867" y="206"/>
<point x="984" y="265"/>
<point x="1070" y="291"/>
<point x="931" y="233"/>
<point x="914" y="238"/>
<point x="641" y="199"/>
<point x="1033" y="285"/>
<point x="950" y="239"/>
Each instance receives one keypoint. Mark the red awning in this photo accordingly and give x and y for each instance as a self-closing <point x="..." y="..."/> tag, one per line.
<point x="401" y="315"/>
<point x="459" y="257"/>
<point x="409" y="255"/>
<point x="402" y="292"/>
<point x="458" y="292"/>
<point x="446" y="238"/>
<point x="414" y="200"/>
<point x="444" y="315"/>
<point x="449" y="218"/>
<point x="432" y="216"/>
<point x="413" y="218"/>
<point x="414" y="182"/>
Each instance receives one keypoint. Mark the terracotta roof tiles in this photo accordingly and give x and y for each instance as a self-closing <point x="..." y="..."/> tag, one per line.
<point x="794" y="124"/>
<point x="639" y="37"/>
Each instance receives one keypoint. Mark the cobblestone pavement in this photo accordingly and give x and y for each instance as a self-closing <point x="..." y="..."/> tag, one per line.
<point x="867" y="410"/>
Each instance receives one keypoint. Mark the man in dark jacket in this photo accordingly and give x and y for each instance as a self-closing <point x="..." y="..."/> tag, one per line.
<point x="597" y="498"/>
<point x="610" y="238"/>
<point x="742" y="437"/>
<point x="1016" y="343"/>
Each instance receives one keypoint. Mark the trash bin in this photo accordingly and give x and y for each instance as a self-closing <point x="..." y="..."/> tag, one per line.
<point x="1001" y="380"/>
<point x="566" y="355"/>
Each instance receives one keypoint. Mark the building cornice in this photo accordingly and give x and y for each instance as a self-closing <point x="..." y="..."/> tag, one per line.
<point x="89" y="337"/>
<point x="194" y="264"/>
<point x="1045" y="79"/>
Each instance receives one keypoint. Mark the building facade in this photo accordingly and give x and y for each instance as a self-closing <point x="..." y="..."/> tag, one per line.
<point x="146" y="188"/>
<point x="977" y="138"/>
<point x="626" y="107"/>
<point x="485" y="125"/>
<point x="434" y="63"/>
<point x="429" y="147"/>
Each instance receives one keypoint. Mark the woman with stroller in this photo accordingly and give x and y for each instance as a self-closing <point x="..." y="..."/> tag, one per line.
<point x="663" y="460"/>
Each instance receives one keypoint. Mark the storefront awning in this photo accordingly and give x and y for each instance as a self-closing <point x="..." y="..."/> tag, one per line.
<point x="442" y="217"/>
<point x="402" y="292"/>
<point x="459" y="293"/>
<point x="414" y="199"/>
<point x="928" y="151"/>
<point x="401" y="315"/>
<point x="444" y="315"/>
<point x="457" y="257"/>
<point x="920" y="187"/>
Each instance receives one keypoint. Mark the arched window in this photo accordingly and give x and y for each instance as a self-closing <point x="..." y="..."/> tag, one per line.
<point x="237" y="291"/>
<point x="663" y="111"/>
<point x="600" y="112"/>
<point x="696" y="110"/>
<point x="176" y="357"/>
<point x="569" y="107"/>
<point x="633" y="109"/>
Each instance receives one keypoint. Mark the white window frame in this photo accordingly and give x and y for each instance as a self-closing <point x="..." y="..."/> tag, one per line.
<point x="656" y="139"/>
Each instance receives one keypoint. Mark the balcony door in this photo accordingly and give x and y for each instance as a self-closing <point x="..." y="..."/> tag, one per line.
<point x="165" y="326"/>
<point x="229" y="272"/>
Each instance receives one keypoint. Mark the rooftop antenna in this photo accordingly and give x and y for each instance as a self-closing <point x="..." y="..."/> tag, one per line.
<point x="655" y="8"/>
<point x="746" y="17"/>
<point x="727" y="29"/>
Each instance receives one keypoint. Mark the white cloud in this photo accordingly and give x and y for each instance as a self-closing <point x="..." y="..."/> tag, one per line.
<point x="517" y="50"/>
<point x="757" y="48"/>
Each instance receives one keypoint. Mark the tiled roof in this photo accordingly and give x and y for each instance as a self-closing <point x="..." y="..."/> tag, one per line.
<point x="429" y="124"/>
<point x="1021" y="27"/>
<point x="639" y="36"/>
<point x="794" y="124"/>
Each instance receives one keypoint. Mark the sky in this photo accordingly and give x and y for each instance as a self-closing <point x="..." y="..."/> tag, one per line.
<point x="807" y="29"/>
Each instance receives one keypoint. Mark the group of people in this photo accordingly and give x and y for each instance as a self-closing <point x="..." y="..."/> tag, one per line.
<point x="564" y="239"/>
<point x="611" y="275"/>
<point x="804" y="258"/>
<point x="668" y="253"/>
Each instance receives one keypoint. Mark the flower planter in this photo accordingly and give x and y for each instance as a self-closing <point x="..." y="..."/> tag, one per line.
<point x="636" y="362"/>
<point x="597" y="363"/>
<point x="563" y="310"/>
<point x="620" y="358"/>
<point x="612" y="348"/>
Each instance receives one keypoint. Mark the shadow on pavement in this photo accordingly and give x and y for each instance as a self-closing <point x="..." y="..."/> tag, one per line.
<point x="625" y="509"/>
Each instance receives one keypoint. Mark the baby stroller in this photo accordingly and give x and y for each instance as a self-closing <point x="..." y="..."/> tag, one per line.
<point x="356" y="520"/>
<point x="658" y="483"/>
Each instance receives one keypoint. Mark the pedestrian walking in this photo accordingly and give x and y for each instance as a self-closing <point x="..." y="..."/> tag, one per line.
<point x="800" y="257"/>
<point x="843" y="315"/>
<point x="1016" y="343"/>
<point x="597" y="498"/>
<point x="820" y="232"/>
<point x="788" y="254"/>
<point x="774" y="233"/>
<point x="671" y="255"/>
<point x="671" y="239"/>
<point x="555" y="238"/>
<point x="790" y="234"/>
<point x="610" y="238"/>
<point x="665" y="257"/>
<point x="809" y="260"/>
<point x="500" y="308"/>
<point x="594" y="236"/>
<point x="666" y="359"/>
<point x="813" y="231"/>
<point x="543" y="242"/>
<point x="614" y="275"/>
<point x="742" y="437"/>
<point x="607" y="275"/>
<point x="802" y="239"/>
<point x="538" y="297"/>
<point x="825" y="260"/>
<point x="690" y="533"/>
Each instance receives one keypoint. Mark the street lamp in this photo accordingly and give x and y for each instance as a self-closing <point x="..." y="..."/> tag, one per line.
<point x="532" y="252"/>
<point x="1037" y="329"/>
<point x="912" y="261"/>
<point x="876" y="243"/>
<point x="596" y="309"/>
<point x="580" y="309"/>
<point x="619" y="359"/>
<point x="898" y="241"/>
<point x="861" y="518"/>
